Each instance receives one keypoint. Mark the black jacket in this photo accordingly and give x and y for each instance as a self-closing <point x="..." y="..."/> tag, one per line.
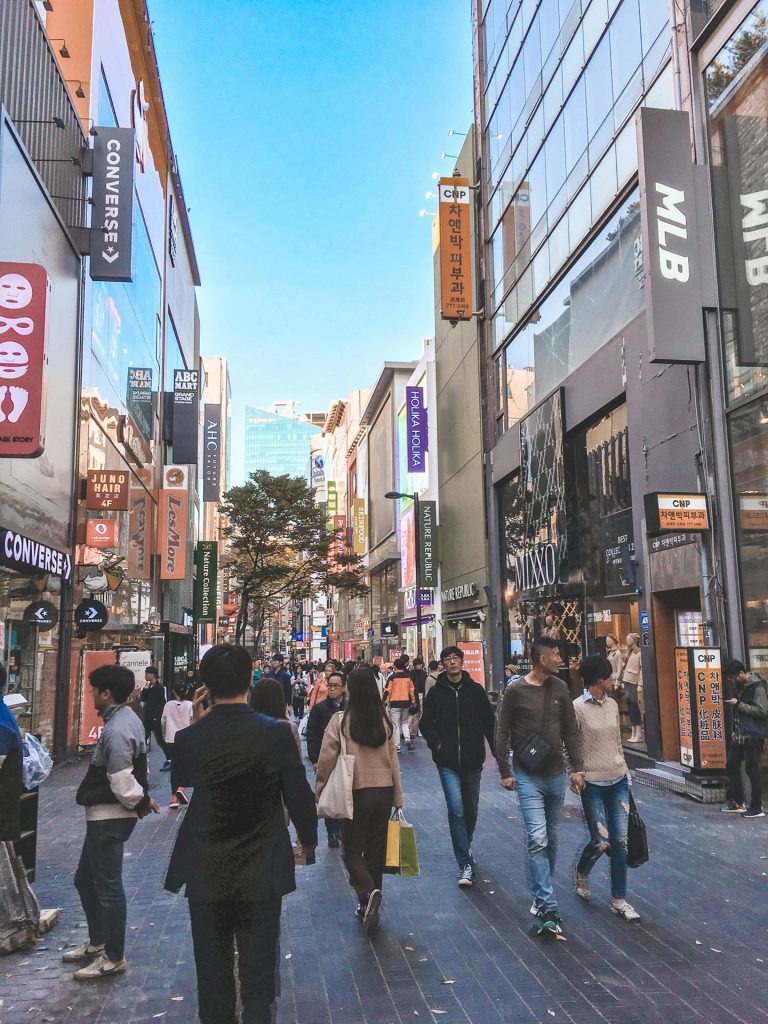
<point x="283" y="676"/>
<point x="317" y="723"/>
<point x="153" y="699"/>
<point x="456" y="721"/>
<point x="419" y="677"/>
<point x="233" y="842"/>
<point x="750" y="714"/>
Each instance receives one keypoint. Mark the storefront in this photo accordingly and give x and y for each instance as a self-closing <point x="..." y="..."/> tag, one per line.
<point x="409" y="625"/>
<point x="464" y="621"/>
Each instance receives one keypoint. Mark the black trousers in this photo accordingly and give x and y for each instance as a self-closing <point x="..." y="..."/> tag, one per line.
<point x="255" y="927"/>
<point x="169" y="753"/>
<point x="155" y="729"/>
<point x="364" y="839"/>
<point x="749" y="752"/>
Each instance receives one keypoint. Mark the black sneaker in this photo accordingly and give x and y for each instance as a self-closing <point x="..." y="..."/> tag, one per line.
<point x="733" y="807"/>
<point x="371" y="912"/>
<point x="550" y="923"/>
<point x="754" y="812"/>
<point x="166" y="767"/>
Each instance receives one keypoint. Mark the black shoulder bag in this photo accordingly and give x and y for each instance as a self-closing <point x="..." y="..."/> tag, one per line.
<point x="532" y="753"/>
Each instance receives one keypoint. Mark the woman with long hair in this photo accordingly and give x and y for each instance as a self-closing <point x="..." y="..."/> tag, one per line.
<point x="267" y="697"/>
<point x="368" y="735"/>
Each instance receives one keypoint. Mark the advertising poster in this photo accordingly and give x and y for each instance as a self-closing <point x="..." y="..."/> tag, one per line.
<point x="701" y="706"/>
<point x="474" y="660"/>
<point x="407" y="548"/>
<point x="24" y="291"/>
<point x="90" y="722"/>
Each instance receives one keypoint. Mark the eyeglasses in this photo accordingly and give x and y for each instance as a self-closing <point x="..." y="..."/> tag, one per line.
<point x="452" y="657"/>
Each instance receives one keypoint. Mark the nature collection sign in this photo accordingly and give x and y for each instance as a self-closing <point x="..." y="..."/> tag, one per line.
<point x="206" y="562"/>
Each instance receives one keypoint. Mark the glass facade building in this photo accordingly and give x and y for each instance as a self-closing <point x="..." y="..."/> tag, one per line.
<point x="278" y="444"/>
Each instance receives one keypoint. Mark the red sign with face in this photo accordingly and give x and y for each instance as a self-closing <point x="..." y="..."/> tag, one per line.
<point x="23" y="307"/>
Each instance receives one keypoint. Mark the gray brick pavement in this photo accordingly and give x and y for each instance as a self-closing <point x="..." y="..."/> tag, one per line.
<point x="443" y="955"/>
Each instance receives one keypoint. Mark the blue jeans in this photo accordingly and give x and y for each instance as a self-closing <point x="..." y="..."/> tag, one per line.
<point x="541" y="800"/>
<point x="99" y="881"/>
<point x="606" y="809"/>
<point x="462" y="797"/>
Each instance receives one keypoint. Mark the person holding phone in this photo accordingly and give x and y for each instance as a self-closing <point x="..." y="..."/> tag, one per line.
<point x="233" y="851"/>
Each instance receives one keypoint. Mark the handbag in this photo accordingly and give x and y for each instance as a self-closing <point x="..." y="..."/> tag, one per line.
<point x="637" y="837"/>
<point x="336" y="799"/>
<point x="532" y="752"/>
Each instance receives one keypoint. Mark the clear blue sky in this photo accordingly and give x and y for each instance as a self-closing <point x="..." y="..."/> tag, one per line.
<point x="307" y="132"/>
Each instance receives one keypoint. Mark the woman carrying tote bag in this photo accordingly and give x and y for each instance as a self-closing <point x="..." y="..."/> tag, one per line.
<point x="369" y="738"/>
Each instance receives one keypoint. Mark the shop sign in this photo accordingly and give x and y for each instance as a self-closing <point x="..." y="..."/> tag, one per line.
<point x="140" y="509"/>
<point x="417" y="434"/>
<point x="390" y="629"/>
<point x="19" y="552"/>
<point x="474" y="661"/>
<point x="462" y="592"/>
<point x="24" y="291"/>
<point x="175" y="478"/>
<point x="130" y="437"/>
<point x="753" y="509"/>
<point x="135" y="661"/>
<point x="701" y="706"/>
<point x="331" y="506"/>
<point x="42" y="614"/>
<point x="539" y="567"/>
<point x="211" y="451"/>
<point x="428" y="543"/>
<point x="107" y="490"/>
<point x="101" y="533"/>
<point x="172" y="534"/>
<point x="455" y="249"/>
<point x="670" y="239"/>
<point x="670" y="540"/>
<point x="758" y="660"/>
<point x="410" y="599"/>
<point x="186" y="410"/>
<point x="318" y="471"/>
<point x="677" y="512"/>
<point x="112" y="204"/>
<point x="91" y="616"/>
<point x="140" y="398"/>
<point x="206" y="561"/>
<point x="359" y="526"/>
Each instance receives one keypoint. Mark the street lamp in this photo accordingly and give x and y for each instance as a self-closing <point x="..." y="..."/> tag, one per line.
<point x="396" y="495"/>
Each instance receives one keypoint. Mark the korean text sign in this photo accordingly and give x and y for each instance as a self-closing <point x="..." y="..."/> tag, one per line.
<point x="455" y="249"/>
<point x="23" y="322"/>
<point x="702" y="706"/>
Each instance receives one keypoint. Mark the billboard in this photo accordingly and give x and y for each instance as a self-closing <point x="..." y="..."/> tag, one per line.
<point x="24" y="291"/>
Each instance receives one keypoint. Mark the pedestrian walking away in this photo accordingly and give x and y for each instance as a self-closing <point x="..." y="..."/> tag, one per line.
<point x="369" y="736"/>
<point x="153" y="699"/>
<point x="605" y="795"/>
<point x="419" y="677"/>
<point x="750" y="728"/>
<point x="456" y="723"/>
<point x="536" y="718"/>
<point x="114" y="794"/>
<point x="233" y="851"/>
<point x="318" y="720"/>
<point x="177" y="715"/>
<point x="401" y="701"/>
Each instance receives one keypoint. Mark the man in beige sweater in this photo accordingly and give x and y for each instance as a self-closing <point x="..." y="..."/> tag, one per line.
<point x="605" y="797"/>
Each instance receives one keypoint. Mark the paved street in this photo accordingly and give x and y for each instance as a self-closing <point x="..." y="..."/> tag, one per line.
<point x="443" y="955"/>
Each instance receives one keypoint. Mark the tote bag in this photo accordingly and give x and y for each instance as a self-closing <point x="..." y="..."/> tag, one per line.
<point x="336" y="798"/>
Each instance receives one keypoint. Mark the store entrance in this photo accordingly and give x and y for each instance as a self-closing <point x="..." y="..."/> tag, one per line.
<point x="677" y="622"/>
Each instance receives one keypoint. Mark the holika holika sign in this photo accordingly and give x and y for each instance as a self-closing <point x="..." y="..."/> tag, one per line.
<point x="416" y="431"/>
<point x="206" y="562"/>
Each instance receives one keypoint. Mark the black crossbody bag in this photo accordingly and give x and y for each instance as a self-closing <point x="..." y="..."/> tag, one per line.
<point x="532" y="753"/>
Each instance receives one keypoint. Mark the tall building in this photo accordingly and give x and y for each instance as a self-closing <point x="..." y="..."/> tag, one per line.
<point x="277" y="439"/>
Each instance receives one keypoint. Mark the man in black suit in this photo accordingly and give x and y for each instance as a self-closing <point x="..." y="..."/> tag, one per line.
<point x="233" y="851"/>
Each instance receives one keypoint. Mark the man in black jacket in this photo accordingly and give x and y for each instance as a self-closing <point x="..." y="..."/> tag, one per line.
<point x="750" y="727"/>
<point x="233" y="851"/>
<point x="456" y="722"/>
<point x="153" y="699"/>
<point x="283" y="676"/>
<point x="318" y="720"/>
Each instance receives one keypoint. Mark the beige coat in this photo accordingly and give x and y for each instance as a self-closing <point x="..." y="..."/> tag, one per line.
<point x="374" y="766"/>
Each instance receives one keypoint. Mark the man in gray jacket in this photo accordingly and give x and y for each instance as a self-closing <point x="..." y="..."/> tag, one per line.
<point x="114" y="794"/>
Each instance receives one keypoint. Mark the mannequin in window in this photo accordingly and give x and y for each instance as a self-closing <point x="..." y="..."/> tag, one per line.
<point x="632" y="680"/>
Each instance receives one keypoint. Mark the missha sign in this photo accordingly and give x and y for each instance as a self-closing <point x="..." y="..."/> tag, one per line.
<point x="112" y="216"/>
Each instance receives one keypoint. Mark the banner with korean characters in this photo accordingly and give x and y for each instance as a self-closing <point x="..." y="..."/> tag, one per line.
<point x="701" y="701"/>
<point x="455" y="249"/>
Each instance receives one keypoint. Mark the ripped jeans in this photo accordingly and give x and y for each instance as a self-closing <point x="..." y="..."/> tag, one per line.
<point x="606" y="809"/>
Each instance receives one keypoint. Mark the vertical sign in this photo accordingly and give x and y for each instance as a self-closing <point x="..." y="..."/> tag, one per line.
<point x="331" y="506"/>
<point x="670" y="244"/>
<point x="417" y="435"/>
<point x="185" y="415"/>
<point x="684" y="706"/>
<point x="338" y="547"/>
<point x="140" y="399"/>
<point x="699" y="672"/>
<point x="140" y="533"/>
<point x="455" y="249"/>
<point x="23" y="315"/>
<point x="428" y="543"/>
<point x="112" y="209"/>
<point x="359" y="526"/>
<point x="206" y="561"/>
<point x="474" y="661"/>
<point x="211" y="452"/>
<point x="172" y="524"/>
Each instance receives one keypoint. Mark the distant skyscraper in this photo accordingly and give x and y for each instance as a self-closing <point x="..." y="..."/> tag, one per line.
<point x="277" y="439"/>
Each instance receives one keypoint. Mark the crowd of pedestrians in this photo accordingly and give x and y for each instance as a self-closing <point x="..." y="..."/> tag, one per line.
<point x="231" y="734"/>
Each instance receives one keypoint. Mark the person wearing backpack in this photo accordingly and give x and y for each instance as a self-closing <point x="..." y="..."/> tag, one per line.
<point x="750" y="728"/>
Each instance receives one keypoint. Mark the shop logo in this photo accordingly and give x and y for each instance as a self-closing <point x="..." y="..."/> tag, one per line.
<point x="754" y="227"/>
<point x="670" y="220"/>
<point x="538" y="567"/>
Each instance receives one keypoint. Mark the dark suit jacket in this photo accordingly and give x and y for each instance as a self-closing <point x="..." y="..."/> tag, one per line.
<point x="233" y="842"/>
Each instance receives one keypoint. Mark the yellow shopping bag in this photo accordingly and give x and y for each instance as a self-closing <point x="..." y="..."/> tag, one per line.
<point x="392" y="860"/>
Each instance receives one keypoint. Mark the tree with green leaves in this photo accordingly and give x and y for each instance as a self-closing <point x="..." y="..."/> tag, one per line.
<point x="279" y="548"/>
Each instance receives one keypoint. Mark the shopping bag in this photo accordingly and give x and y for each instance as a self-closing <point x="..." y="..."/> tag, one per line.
<point x="36" y="762"/>
<point x="336" y="799"/>
<point x="409" y="857"/>
<point x="392" y="859"/>
<point x="637" y="838"/>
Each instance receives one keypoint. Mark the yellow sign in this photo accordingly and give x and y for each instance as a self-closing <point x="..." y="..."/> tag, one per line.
<point x="455" y="249"/>
<point x="359" y="526"/>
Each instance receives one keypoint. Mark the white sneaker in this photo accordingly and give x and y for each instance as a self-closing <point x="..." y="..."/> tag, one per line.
<point x="625" y="910"/>
<point x="581" y="885"/>
<point x="84" y="952"/>
<point x="467" y="877"/>
<point x="102" y="967"/>
<point x="534" y="910"/>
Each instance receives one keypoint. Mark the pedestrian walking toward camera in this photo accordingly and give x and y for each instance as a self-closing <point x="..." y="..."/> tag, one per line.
<point x="750" y="727"/>
<point x="401" y="701"/>
<point x="318" y="720"/>
<point x="456" y="723"/>
<point x="114" y="794"/>
<point x="177" y="715"/>
<point x="369" y="737"/>
<point x="233" y="851"/>
<point x="536" y="718"/>
<point x="279" y="672"/>
<point x="153" y="699"/>
<point x="605" y="795"/>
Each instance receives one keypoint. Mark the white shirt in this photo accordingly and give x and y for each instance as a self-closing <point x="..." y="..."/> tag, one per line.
<point x="177" y="715"/>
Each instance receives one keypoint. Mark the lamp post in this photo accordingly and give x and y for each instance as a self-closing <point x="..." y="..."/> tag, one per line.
<point x="417" y="545"/>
